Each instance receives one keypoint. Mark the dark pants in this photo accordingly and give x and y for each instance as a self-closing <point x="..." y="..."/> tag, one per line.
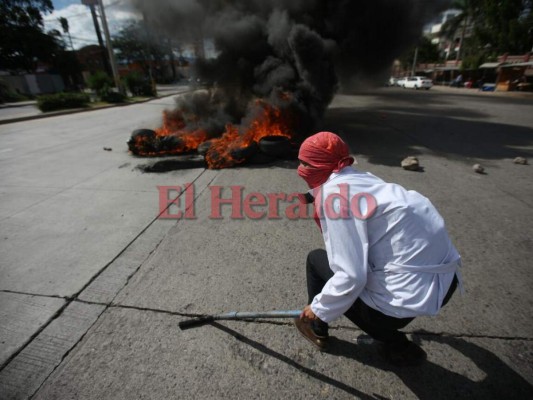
<point x="376" y="324"/>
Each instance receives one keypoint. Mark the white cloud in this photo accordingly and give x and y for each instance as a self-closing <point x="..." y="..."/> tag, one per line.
<point x="81" y="26"/>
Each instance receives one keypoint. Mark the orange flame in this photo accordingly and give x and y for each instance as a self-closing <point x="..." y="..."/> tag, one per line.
<point x="229" y="150"/>
<point x="171" y="138"/>
<point x="232" y="148"/>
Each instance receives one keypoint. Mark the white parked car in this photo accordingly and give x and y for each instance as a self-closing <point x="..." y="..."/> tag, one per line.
<point x="392" y="81"/>
<point x="401" y="81"/>
<point x="418" y="82"/>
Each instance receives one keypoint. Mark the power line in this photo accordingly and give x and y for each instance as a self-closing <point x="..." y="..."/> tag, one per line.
<point x="50" y="18"/>
<point x="114" y="4"/>
<point x="84" y="39"/>
<point x="67" y="17"/>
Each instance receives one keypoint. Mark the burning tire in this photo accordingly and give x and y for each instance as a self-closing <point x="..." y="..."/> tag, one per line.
<point x="145" y="142"/>
<point x="147" y="133"/>
<point x="243" y="153"/>
<point x="276" y="146"/>
<point x="220" y="157"/>
<point x="141" y="140"/>
<point x="204" y="147"/>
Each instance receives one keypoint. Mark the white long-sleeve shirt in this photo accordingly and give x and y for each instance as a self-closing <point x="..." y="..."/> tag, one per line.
<point x="397" y="256"/>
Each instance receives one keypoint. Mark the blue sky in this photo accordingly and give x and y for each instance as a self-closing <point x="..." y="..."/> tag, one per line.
<point x="81" y="26"/>
<point x="59" y="4"/>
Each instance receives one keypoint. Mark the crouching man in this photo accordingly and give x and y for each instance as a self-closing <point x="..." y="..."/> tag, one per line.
<point x="388" y="257"/>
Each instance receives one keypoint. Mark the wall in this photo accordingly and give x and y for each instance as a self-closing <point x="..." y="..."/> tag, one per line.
<point x="34" y="83"/>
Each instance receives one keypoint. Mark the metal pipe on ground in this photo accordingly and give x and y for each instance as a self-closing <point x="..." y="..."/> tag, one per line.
<point x="235" y="315"/>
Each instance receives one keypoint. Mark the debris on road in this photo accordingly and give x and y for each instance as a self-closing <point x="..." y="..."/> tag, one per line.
<point x="108" y="149"/>
<point x="478" y="168"/>
<point x="520" y="160"/>
<point x="410" y="163"/>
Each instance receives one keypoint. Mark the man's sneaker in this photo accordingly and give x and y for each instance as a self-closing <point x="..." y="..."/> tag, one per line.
<point x="408" y="355"/>
<point x="320" y="340"/>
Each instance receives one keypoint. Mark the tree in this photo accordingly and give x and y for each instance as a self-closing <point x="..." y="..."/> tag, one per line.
<point x="501" y="26"/>
<point x="134" y="45"/>
<point x="459" y="24"/>
<point x="23" y="43"/>
<point x="64" y="25"/>
<point x="506" y="25"/>
<point x="427" y="53"/>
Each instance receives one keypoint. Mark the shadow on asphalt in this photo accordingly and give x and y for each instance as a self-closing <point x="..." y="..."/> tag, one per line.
<point x="287" y="360"/>
<point x="433" y="381"/>
<point x="436" y="97"/>
<point x="389" y="134"/>
<point x="176" y="163"/>
<point x="428" y="381"/>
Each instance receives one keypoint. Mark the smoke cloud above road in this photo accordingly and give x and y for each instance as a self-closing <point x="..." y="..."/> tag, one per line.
<point x="292" y="54"/>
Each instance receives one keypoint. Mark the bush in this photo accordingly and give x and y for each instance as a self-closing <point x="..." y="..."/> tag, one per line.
<point x="100" y="82"/>
<point x="138" y="85"/>
<point x="113" y="97"/>
<point x="61" y="101"/>
<point x="7" y="95"/>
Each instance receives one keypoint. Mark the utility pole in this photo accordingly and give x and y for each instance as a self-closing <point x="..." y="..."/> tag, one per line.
<point x="413" y="68"/>
<point x="105" y="62"/>
<point x="149" y="54"/>
<point x="171" y="57"/>
<point x="109" y="47"/>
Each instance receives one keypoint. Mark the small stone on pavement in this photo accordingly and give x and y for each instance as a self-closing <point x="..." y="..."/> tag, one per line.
<point x="478" y="168"/>
<point x="410" y="163"/>
<point x="520" y="160"/>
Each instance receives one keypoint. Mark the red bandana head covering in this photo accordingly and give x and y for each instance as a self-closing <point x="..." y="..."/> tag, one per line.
<point x="325" y="153"/>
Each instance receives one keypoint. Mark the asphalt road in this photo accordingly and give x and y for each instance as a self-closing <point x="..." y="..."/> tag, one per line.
<point x="93" y="283"/>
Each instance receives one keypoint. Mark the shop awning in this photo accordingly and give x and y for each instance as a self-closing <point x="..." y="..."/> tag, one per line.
<point x="490" y="65"/>
<point x="522" y="64"/>
<point x="448" y="68"/>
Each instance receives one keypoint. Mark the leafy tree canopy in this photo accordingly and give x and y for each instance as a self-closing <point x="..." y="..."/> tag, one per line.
<point x="427" y="53"/>
<point x="502" y="26"/>
<point x="24" y="13"/>
<point x="23" y="43"/>
<point x="134" y="43"/>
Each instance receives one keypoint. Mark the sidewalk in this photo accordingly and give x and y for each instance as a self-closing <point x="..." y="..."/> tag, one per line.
<point x="12" y="112"/>
<point x="477" y="92"/>
<point x="18" y="104"/>
<point x="27" y="110"/>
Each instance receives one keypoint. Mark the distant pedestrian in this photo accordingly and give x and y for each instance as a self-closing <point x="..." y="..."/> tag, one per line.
<point x="386" y="261"/>
<point x="458" y="81"/>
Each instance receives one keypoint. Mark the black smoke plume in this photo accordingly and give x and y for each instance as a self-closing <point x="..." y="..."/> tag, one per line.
<point x="294" y="54"/>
